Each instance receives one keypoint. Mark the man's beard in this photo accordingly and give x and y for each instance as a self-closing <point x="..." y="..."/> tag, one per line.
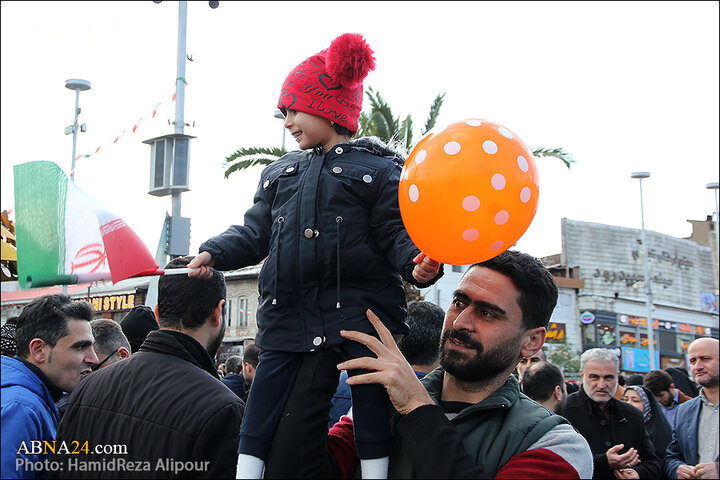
<point x="709" y="382"/>
<point x="217" y="341"/>
<point x="479" y="367"/>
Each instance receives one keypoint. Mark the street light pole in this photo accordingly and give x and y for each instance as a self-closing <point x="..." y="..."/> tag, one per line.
<point x="648" y="286"/>
<point x="77" y="85"/>
<point x="714" y="186"/>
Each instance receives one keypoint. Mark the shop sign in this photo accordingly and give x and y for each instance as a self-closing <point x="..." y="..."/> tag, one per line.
<point x="683" y="263"/>
<point x="555" y="333"/>
<point x="113" y="302"/>
<point x="642" y="321"/>
<point x="703" y="331"/>
<point x="587" y="317"/>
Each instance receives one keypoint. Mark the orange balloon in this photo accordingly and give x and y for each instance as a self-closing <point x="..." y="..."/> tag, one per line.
<point x="468" y="192"/>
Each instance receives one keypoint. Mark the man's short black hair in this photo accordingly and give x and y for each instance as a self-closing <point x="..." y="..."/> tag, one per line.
<point x="251" y="355"/>
<point x="540" y="380"/>
<point x="46" y="318"/>
<point x="108" y="336"/>
<point x="185" y="302"/>
<point x="421" y="346"/>
<point x="538" y="291"/>
<point x="234" y="364"/>
<point x="658" y="381"/>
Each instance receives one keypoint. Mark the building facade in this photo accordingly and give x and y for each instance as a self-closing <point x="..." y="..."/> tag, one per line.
<point x="612" y="305"/>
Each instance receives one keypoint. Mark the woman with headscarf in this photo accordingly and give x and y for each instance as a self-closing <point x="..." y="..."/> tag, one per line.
<point x="656" y="424"/>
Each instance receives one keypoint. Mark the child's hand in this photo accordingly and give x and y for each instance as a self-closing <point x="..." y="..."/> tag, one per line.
<point x="202" y="264"/>
<point x="426" y="268"/>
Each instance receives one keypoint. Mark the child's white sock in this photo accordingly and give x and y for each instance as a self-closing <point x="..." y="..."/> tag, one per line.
<point x="374" y="467"/>
<point x="249" y="466"/>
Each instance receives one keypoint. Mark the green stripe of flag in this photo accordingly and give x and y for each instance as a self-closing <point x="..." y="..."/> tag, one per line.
<point x="40" y="194"/>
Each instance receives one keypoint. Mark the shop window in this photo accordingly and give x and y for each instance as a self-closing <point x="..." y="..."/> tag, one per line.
<point x="606" y="334"/>
<point x="589" y="334"/>
<point x="644" y="339"/>
<point x="683" y="342"/>
<point x="628" y="337"/>
<point x="667" y="341"/>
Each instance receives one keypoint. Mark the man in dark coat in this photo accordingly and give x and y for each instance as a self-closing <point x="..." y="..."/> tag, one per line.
<point x="163" y="410"/>
<point x="615" y="431"/>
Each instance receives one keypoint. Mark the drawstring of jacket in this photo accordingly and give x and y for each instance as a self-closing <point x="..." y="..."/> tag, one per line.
<point x="281" y="221"/>
<point x="338" y="221"/>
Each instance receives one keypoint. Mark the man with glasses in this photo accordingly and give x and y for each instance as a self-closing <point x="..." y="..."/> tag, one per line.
<point x="54" y="351"/>
<point x="111" y="344"/>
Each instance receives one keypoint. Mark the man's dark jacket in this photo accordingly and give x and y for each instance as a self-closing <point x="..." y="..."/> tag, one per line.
<point x="236" y="383"/>
<point x="618" y="423"/>
<point x="330" y="227"/>
<point x="164" y="402"/>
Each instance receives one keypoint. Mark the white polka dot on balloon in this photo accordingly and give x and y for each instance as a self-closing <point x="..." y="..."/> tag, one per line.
<point x="522" y="163"/>
<point x="505" y="133"/>
<point x="498" y="181"/>
<point x="414" y="193"/>
<point x="496" y="245"/>
<point x="420" y="157"/>
<point x="470" y="235"/>
<point x="452" y="148"/>
<point x="501" y="217"/>
<point x="474" y="123"/>
<point x="490" y="147"/>
<point x="525" y="195"/>
<point x="471" y="203"/>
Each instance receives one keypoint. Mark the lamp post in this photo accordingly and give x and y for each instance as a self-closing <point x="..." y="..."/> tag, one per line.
<point x="77" y="85"/>
<point x="278" y="114"/>
<point x="648" y="286"/>
<point x="714" y="186"/>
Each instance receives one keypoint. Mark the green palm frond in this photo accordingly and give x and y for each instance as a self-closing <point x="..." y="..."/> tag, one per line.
<point x="249" y="157"/>
<point x="434" y="112"/>
<point x="559" y="153"/>
<point x="381" y="114"/>
<point x="405" y="134"/>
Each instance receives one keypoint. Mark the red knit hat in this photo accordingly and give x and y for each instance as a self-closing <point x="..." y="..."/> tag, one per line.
<point x="330" y="83"/>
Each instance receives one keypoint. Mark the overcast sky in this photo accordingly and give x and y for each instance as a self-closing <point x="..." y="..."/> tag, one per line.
<point x="623" y="86"/>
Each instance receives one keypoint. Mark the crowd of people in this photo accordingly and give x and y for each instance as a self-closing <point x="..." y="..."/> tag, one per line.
<point x="469" y="400"/>
<point x="345" y="380"/>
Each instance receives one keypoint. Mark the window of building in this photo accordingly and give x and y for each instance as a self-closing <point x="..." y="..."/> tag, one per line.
<point x="644" y="339"/>
<point x="628" y="337"/>
<point x="683" y="341"/>
<point x="606" y="334"/>
<point x="228" y="312"/>
<point x="667" y="340"/>
<point x="589" y="334"/>
<point x="243" y="313"/>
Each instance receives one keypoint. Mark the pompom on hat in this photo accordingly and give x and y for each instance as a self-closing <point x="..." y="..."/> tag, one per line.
<point x="329" y="84"/>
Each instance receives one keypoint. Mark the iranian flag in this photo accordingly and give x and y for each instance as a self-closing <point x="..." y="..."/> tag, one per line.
<point x="64" y="236"/>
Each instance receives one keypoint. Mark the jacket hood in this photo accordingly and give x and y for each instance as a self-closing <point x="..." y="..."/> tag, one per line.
<point x="393" y="150"/>
<point x="14" y="373"/>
